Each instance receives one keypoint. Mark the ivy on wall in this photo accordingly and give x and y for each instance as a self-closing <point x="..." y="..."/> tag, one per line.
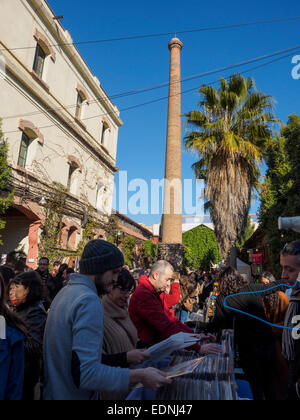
<point x="128" y="247"/>
<point x="88" y="232"/>
<point x="50" y="238"/>
<point x="201" y="248"/>
<point x="6" y="194"/>
<point x="150" y="250"/>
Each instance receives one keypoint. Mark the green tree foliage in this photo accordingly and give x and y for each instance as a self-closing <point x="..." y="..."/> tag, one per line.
<point x="127" y="248"/>
<point x="230" y="134"/>
<point x="6" y="193"/>
<point x="112" y="229"/>
<point x="88" y="232"/>
<point x="280" y="191"/>
<point x="201" y="248"/>
<point x="150" y="250"/>
<point x="249" y="230"/>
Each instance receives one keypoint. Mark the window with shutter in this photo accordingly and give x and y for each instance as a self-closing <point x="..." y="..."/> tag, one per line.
<point x="39" y="61"/>
<point x="23" y="150"/>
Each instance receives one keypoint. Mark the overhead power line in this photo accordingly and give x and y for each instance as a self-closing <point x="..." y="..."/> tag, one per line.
<point x="165" y="84"/>
<point x="157" y="35"/>
<point x="166" y="97"/>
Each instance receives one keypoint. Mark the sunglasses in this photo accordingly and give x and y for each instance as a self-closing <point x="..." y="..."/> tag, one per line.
<point x="124" y="291"/>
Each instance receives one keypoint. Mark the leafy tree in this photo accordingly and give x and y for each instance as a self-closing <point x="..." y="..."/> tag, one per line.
<point x="150" y="250"/>
<point x="88" y="232"/>
<point x="112" y="229"/>
<point x="280" y="191"/>
<point x="201" y="248"/>
<point x="6" y="192"/>
<point x="230" y="133"/>
<point x="248" y="232"/>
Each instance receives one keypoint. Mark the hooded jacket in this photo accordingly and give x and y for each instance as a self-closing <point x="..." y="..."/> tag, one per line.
<point x="73" y="346"/>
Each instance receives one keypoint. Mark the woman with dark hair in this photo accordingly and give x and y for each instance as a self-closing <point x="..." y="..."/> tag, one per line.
<point x="267" y="278"/>
<point x="29" y="307"/>
<point x="12" y="335"/>
<point x="61" y="277"/>
<point x="189" y="292"/>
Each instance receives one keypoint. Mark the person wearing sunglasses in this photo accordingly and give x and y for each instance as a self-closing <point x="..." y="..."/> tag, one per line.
<point x="74" y="368"/>
<point x="120" y="335"/>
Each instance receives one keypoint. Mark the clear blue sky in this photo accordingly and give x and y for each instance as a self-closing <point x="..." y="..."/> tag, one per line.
<point x="130" y="65"/>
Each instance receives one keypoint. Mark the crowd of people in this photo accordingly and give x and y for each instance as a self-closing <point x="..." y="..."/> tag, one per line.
<point x="84" y="335"/>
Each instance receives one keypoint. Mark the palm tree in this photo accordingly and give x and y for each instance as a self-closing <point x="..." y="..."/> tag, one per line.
<point x="230" y="135"/>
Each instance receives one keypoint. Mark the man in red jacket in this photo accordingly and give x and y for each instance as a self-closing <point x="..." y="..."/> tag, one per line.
<point x="170" y="297"/>
<point x="151" y="316"/>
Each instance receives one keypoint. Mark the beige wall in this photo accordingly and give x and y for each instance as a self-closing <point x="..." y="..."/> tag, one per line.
<point x="21" y="94"/>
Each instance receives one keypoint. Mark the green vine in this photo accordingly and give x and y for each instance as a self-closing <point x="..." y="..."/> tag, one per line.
<point x="150" y="250"/>
<point x="112" y="229"/>
<point x="52" y="228"/>
<point x="6" y="194"/>
<point x="127" y="248"/>
<point x="88" y="232"/>
<point x="201" y="248"/>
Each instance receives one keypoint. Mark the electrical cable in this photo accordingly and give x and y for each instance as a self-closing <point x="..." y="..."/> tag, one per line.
<point x="143" y="90"/>
<point x="143" y="36"/>
<point x="165" y="97"/>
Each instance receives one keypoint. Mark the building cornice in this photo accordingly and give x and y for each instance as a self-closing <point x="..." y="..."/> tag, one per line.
<point x="65" y="41"/>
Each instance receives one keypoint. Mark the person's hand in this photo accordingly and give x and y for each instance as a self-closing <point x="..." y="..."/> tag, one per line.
<point x="136" y="357"/>
<point x="207" y="338"/>
<point x="211" y="349"/>
<point x="154" y="379"/>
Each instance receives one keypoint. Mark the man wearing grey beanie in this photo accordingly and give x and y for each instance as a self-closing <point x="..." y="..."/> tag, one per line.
<point x="74" y="331"/>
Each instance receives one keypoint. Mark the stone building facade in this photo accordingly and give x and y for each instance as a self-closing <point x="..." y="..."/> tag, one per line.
<point x="60" y="124"/>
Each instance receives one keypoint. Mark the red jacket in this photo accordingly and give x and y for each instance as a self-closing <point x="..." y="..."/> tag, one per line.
<point x="171" y="299"/>
<point x="151" y="316"/>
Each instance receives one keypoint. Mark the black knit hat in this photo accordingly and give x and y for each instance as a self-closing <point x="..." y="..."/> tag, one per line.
<point x="100" y="256"/>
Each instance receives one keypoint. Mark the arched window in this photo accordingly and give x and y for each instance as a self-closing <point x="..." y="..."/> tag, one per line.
<point x="82" y="97"/>
<point x="105" y="128"/>
<point x="72" y="169"/>
<point x="28" y="145"/>
<point x="43" y="50"/>
<point x="25" y="142"/>
<point x="73" y="176"/>
<point x="71" y="239"/>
